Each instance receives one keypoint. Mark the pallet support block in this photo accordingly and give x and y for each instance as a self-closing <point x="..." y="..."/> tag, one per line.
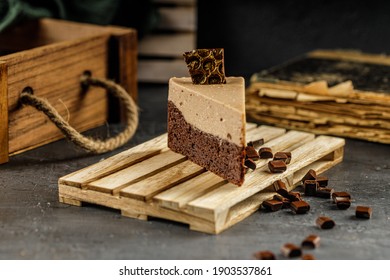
<point x="176" y="189"/>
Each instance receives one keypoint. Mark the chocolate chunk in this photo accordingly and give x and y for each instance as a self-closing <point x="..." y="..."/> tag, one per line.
<point x="340" y="194"/>
<point x="272" y="205"/>
<point x="308" y="257"/>
<point x="277" y="166"/>
<point x="251" y="153"/>
<point x="300" y="207"/>
<point x="290" y="250"/>
<point x="324" y="192"/>
<point x="363" y="212"/>
<point x="256" y="144"/>
<point x="286" y="201"/>
<point x="265" y="152"/>
<point x="342" y="203"/>
<point x="294" y="196"/>
<point x="311" y="242"/>
<point x="281" y="156"/>
<point x="250" y="164"/>
<point x="322" y="181"/>
<point x="310" y="175"/>
<point x="325" y="222"/>
<point x="206" y="66"/>
<point x="280" y="188"/>
<point x="264" y="255"/>
<point x="311" y="187"/>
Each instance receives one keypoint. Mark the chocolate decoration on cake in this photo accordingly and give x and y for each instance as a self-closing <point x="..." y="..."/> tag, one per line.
<point x="206" y="66"/>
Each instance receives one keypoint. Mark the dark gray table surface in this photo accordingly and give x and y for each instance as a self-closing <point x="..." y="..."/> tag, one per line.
<point x="34" y="225"/>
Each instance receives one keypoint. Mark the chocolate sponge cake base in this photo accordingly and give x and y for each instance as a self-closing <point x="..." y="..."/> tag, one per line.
<point x="217" y="155"/>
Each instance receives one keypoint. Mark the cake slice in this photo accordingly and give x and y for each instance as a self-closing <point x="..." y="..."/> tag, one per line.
<point x="206" y="123"/>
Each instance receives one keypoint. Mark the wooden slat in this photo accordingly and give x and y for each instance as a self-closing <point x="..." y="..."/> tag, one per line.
<point x="177" y="18"/>
<point x="3" y="113"/>
<point x="226" y="196"/>
<point x="115" y="163"/>
<point x="150" y="186"/>
<point x="114" y="182"/>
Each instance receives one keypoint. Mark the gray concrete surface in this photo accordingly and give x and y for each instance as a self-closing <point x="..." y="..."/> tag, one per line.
<point x="34" y="225"/>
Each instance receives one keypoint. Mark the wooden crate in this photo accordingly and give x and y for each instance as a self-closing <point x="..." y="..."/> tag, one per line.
<point x="50" y="56"/>
<point x="150" y="180"/>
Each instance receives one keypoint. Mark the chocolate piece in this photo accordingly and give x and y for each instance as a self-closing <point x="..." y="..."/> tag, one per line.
<point x="288" y="154"/>
<point x="272" y="205"/>
<point x="250" y="152"/>
<point x="322" y="181"/>
<point x="250" y="164"/>
<point x="280" y="156"/>
<point x="311" y="242"/>
<point x="363" y="212"/>
<point x="310" y="175"/>
<point x="311" y="187"/>
<point x="294" y="196"/>
<point x="308" y="257"/>
<point x="290" y="250"/>
<point x="264" y="255"/>
<point x="257" y="143"/>
<point x="280" y="188"/>
<point x="300" y="207"/>
<point x="277" y="166"/>
<point x="265" y="152"/>
<point x="324" y="192"/>
<point x="206" y="66"/>
<point x="342" y="203"/>
<point x="286" y="201"/>
<point x="325" y="222"/>
<point x="340" y="194"/>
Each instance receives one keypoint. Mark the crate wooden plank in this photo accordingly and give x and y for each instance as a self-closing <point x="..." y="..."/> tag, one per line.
<point x="201" y="199"/>
<point x="3" y="114"/>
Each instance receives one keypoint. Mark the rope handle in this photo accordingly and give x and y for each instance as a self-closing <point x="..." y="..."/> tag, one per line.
<point x="87" y="143"/>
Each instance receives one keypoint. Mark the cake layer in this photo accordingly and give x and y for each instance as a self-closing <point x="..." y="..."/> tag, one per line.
<point x="215" y="109"/>
<point x="220" y="156"/>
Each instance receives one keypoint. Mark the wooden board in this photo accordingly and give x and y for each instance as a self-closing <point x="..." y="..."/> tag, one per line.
<point x="150" y="180"/>
<point x="343" y="93"/>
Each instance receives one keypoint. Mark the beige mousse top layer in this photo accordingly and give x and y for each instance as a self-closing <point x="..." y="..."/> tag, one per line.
<point x="223" y="106"/>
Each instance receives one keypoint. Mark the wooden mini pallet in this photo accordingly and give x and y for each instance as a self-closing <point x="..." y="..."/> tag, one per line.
<point x="150" y="180"/>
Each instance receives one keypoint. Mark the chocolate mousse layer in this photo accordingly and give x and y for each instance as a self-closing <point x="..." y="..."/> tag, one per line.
<point x="220" y="156"/>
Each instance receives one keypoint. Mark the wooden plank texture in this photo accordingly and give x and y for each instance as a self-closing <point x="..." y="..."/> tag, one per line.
<point x="166" y="185"/>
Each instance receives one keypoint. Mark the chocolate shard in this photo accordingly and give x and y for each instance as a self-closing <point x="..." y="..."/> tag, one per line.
<point x="206" y="66"/>
<point x="363" y="212"/>
<point x="324" y="192"/>
<point x="290" y="250"/>
<point x="264" y="255"/>
<point x="308" y="257"/>
<point x="325" y="222"/>
<point x="285" y="156"/>
<point x="310" y="175"/>
<point x="277" y="166"/>
<point x="250" y="164"/>
<point x="250" y="152"/>
<point x="280" y="188"/>
<point x="265" y="153"/>
<point x="340" y="194"/>
<point x="272" y="205"/>
<point x="311" y="242"/>
<point x="300" y="207"/>
<point x="342" y="203"/>
<point x="256" y="143"/>
<point x="294" y="196"/>
<point x="322" y="181"/>
<point x="311" y="187"/>
<point x="286" y="202"/>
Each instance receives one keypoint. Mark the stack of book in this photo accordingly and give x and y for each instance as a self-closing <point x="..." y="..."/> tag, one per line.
<point x="343" y="93"/>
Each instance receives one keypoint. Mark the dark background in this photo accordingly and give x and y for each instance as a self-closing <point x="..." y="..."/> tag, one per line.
<point x="259" y="34"/>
